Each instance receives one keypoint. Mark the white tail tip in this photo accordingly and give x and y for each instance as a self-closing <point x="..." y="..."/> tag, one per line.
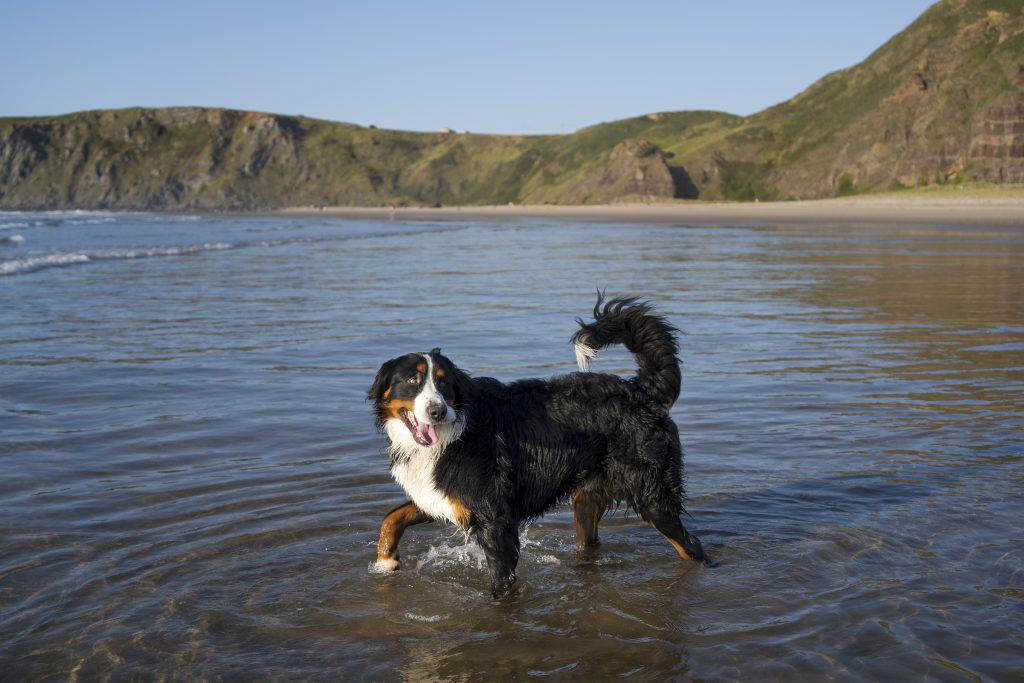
<point x="584" y="354"/>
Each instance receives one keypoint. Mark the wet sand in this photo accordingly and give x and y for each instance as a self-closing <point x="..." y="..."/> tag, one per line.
<point x="883" y="210"/>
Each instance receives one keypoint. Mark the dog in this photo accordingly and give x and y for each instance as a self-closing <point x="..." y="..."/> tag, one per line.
<point x="488" y="456"/>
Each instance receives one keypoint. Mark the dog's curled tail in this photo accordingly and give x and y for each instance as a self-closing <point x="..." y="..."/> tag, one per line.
<point x="631" y="322"/>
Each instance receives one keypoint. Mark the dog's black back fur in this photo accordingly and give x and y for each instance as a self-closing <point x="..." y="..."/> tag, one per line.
<point x="528" y="445"/>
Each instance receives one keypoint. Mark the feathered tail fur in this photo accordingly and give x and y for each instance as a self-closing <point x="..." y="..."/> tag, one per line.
<point x="631" y="322"/>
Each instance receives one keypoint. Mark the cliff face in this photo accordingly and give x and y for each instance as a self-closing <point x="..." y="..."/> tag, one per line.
<point x="943" y="101"/>
<point x="940" y="102"/>
<point x="191" y="158"/>
<point x="996" y="151"/>
<point x="146" y="159"/>
<point x="635" y="169"/>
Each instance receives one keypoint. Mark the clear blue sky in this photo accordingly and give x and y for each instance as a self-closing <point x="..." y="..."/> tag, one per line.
<point x="514" y="67"/>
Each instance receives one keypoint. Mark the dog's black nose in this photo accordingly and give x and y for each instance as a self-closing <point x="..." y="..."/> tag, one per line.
<point x="437" y="411"/>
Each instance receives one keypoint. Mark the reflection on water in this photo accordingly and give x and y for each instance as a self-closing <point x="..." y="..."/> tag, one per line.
<point x="191" y="486"/>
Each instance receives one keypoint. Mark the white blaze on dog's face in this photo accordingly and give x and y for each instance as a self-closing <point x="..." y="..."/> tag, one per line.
<point x="415" y="398"/>
<point x="430" y="407"/>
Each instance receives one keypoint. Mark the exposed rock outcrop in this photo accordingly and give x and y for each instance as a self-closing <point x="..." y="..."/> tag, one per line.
<point x="997" y="147"/>
<point x="635" y="169"/>
<point x="22" y="149"/>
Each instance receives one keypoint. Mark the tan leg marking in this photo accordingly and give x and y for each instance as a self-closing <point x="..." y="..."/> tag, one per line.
<point x="675" y="544"/>
<point x="588" y="508"/>
<point x="391" y="529"/>
<point x="463" y="517"/>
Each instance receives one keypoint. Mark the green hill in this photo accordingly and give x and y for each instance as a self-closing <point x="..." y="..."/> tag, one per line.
<point x="941" y="102"/>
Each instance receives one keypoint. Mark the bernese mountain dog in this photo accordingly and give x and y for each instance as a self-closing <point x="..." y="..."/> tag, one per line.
<point x="488" y="456"/>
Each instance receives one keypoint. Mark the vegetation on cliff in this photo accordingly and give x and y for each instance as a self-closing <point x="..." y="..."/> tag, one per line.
<point x="941" y="102"/>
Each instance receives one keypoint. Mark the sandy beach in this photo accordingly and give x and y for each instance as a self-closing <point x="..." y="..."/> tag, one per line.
<point x="999" y="211"/>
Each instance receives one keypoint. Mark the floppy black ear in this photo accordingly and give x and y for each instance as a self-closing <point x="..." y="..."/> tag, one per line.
<point x="380" y="382"/>
<point x="463" y="388"/>
<point x="436" y="351"/>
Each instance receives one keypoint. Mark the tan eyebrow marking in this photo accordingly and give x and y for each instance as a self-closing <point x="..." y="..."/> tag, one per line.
<point x="421" y="367"/>
<point x="440" y="372"/>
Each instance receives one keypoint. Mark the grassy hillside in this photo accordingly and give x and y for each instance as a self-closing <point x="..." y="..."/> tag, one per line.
<point x="216" y="158"/>
<point x="942" y="102"/>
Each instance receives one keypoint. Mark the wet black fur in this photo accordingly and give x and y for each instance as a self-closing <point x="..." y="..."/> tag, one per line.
<point x="530" y="444"/>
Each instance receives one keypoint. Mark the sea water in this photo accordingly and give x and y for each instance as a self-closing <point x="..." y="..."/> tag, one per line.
<point x="191" y="485"/>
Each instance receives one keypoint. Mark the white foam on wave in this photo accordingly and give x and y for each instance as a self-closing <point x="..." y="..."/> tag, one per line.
<point x="170" y="218"/>
<point x="28" y="264"/>
<point x="90" y="221"/>
<point x="55" y="221"/>
<point x="78" y="212"/>
<point x="12" y="239"/>
<point x="31" y="263"/>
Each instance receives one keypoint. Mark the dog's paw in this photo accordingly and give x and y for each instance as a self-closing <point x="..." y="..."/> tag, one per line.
<point x="386" y="566"/>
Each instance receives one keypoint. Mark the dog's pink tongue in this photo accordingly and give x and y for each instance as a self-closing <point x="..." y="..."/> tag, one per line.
<point x="426" y="433"/>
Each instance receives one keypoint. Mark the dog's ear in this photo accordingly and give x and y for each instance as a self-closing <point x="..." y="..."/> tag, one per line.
<point x="463" y="388"/>
<point x="380" y="382"/>
<point x="436" y="351"/>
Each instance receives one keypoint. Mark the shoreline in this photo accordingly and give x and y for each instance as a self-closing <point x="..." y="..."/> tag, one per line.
<point x="1000" y="212"/>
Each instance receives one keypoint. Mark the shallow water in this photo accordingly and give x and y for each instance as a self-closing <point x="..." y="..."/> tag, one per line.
<point x="190" y="484"/>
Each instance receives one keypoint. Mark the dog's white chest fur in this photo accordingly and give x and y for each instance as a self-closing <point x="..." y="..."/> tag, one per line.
<point x="415" y="474"/>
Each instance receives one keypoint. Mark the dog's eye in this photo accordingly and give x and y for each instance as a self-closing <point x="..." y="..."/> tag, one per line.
<point x="413" y="380"/>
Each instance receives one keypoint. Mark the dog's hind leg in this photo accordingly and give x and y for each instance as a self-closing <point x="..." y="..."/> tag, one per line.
<point x="391" y="529"/>
<point x="588" y="508"/>
<point x="668" y="525"/>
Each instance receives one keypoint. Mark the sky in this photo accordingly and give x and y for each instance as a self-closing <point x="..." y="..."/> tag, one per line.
<point x="513" y="67"/>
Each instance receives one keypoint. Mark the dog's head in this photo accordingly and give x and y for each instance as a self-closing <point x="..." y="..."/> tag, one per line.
<point x="419" y="399"/>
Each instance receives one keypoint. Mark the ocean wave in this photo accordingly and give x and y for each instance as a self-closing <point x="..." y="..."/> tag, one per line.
<point x="11" y="239"/>
<point x="51" y="222"/>
<point x="89" y="221"/>
<point x="32" y="263"/>
<point x="78" y="212"/>
<point x="29" y="264"/>
<point x="31" y="219"/>
<point x="170" y="217"/>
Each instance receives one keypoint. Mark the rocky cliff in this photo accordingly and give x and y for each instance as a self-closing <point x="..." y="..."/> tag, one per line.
<point x="941" y="102"/>
<point x="193" y="158"/>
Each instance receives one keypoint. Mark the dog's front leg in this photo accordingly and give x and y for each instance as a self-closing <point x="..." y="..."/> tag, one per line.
<point x="500" y="542"/>
<point x="391" y="529"/>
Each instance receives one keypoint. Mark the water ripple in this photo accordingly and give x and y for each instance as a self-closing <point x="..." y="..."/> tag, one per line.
<point x="191" y="485"/>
